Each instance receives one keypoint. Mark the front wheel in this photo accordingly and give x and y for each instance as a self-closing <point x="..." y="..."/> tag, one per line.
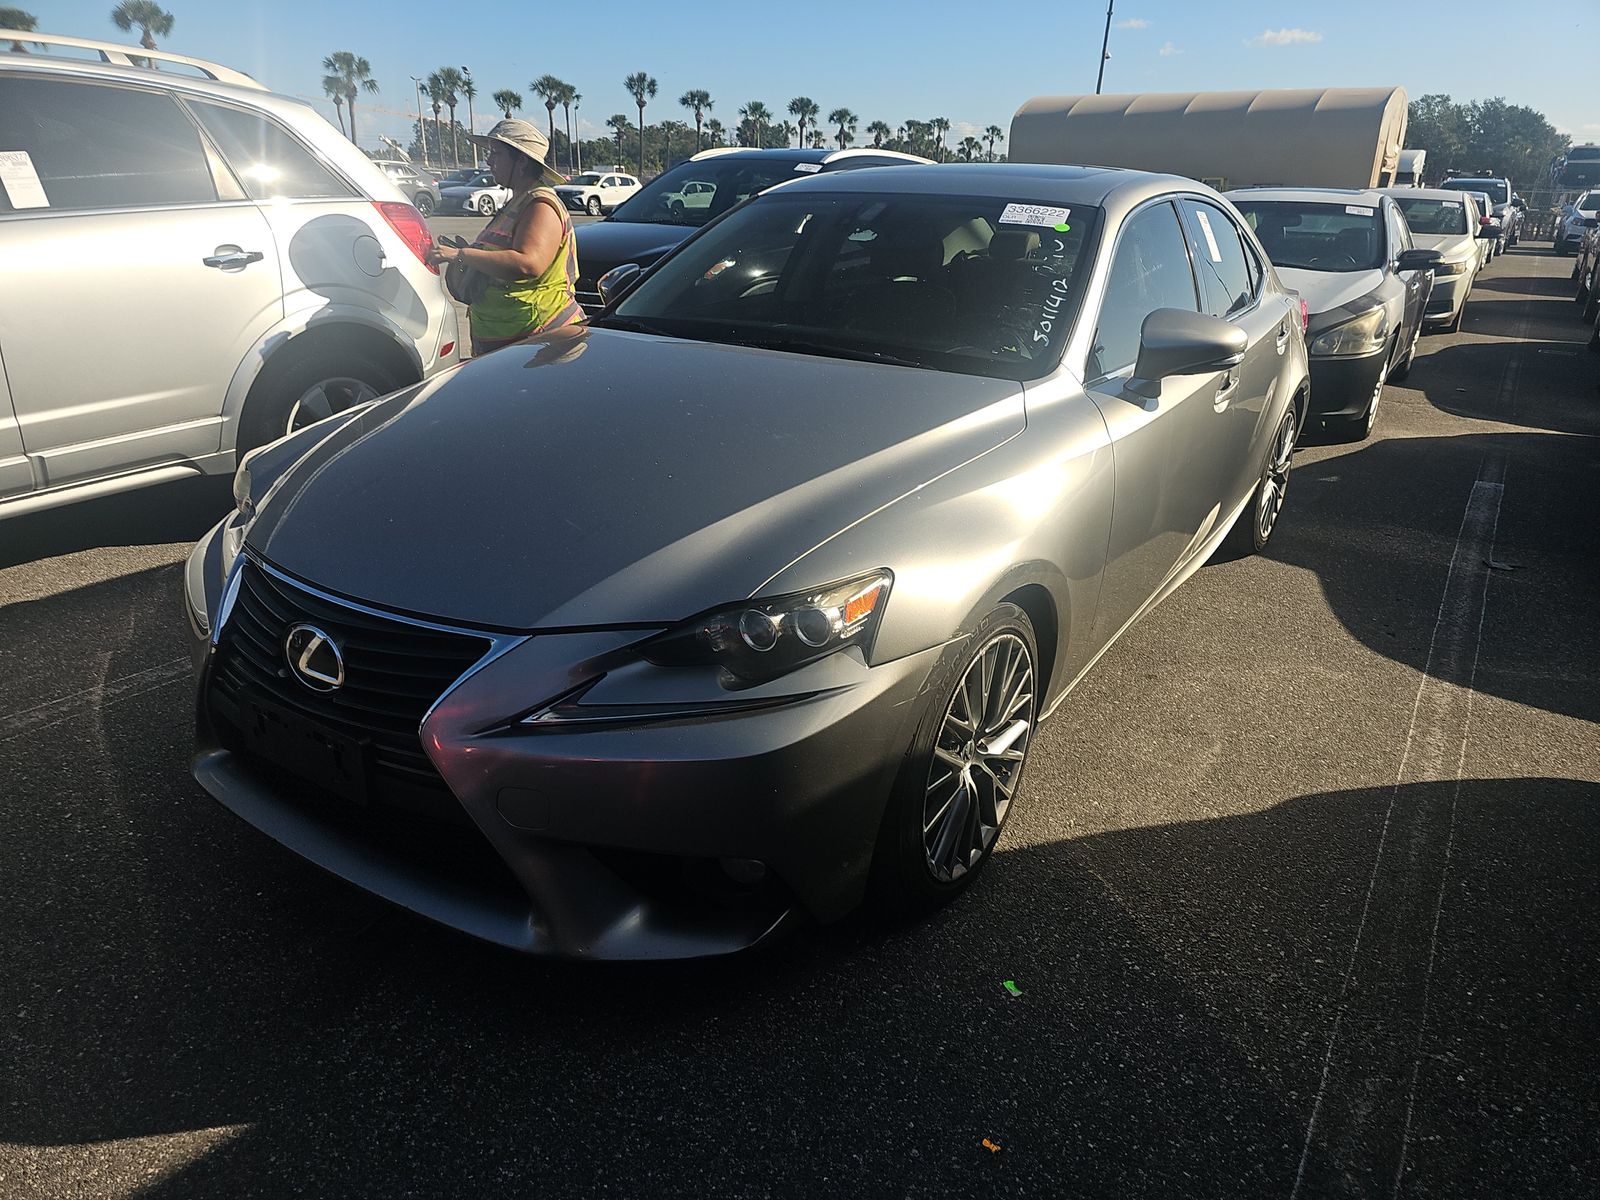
<point x="593" y="206"/>
<point x="486" y="205"/>
<point x="964" y="768"/>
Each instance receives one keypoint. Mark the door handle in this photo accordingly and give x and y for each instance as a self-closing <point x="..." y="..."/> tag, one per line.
<point x="232" y="258"/>
<point x="1230" y="384"/>
<point x="1283" y="336"/>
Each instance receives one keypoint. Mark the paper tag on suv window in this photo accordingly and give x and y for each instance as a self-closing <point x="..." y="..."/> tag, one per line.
<point x="1356" y="210"/>
<point x="1211" y="238"/>
<point x="21" y="181"/>
<point x="808" y="168"/>
<point x="1450" y="204"/>
<point x="1034" y="214"/>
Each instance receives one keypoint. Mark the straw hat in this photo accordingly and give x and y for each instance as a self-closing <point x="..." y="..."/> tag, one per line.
<point x="523" y="136"/>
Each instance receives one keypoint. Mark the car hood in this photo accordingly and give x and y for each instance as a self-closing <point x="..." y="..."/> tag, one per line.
<point x="601" y="478"/>
<point x="607" y="244"/>
<point x="1325" y="290"/>
<point x="1452" y="245"/>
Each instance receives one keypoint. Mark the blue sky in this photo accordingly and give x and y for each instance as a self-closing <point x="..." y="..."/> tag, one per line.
<point x="972" y="63"/>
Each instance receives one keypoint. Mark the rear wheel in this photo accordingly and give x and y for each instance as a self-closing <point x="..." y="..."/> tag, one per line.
<point x="486" y="205"/>
<point x="424" y="203"/>
<point x="965" y="766"/>
<point x="1253" y="530"/>
<point x="308" y="388"/>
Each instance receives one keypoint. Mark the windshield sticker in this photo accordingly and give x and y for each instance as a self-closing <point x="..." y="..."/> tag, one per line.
<point x="21" y="181"/>
<point x="1450" y="204"/>
<point x="1356" y="210"/>
<point x="1211" y="238"/>
<point x="808" y="168"/>
<point x="1036" y="214"/>
<point x="1058" y="262"/>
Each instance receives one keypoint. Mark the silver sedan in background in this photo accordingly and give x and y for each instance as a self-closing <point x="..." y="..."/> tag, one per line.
<point x="1449" y="222"/>
<point x="646" y="638"/>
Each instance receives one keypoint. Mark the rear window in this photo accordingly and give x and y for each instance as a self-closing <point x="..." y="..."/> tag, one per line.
<point x="1493" y="188"/>
<point x="268" y="162"/>
<point x="1434" y="216"/>
<point x="1316" y="236"/>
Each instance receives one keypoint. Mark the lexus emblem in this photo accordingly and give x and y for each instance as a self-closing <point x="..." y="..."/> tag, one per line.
<point x="314" y="658"/>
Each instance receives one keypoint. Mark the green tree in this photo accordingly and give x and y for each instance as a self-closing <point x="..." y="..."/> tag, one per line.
<point x="569" y="98"/>
<point x="756" y="114"/>
<point x="435" y="88"/>
<point x="697" y="101"/>
<point x="1492" y="136"/>
<point x="880" y="132"/>
<point x="643" y="89"/>
<point x="940" y="127"/>
<point x="16" y="18"/>
<point x="333" y="89"/>
<point x="548" y="88"/>
<point x="971" y="147"/>
<point x="469" y="89"/>
<point x="1438" y="125"/>
<point x="818" y="140"/>
<point x="507" y="101"/>
<point x="846" y="121"/>
<point x="714" y="132"/>
<point x="804" y="110"/>
<point x="620" y="125"/>
<point x="354" y="74"/>
<point x="450" y="84"/>
<point x="992" y="133"/>
<point x="151" y="19"/>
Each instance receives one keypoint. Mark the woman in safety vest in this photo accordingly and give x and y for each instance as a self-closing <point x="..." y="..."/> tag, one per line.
<point x="526" y="254"/>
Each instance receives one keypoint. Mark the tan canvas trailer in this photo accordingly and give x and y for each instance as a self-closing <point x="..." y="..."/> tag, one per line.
<point x="1307" y="137"/>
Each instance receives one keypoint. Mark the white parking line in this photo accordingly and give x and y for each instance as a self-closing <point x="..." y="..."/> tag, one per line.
<point x="125" y="687"/>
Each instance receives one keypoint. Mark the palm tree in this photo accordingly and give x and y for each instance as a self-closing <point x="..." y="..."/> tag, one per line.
<point x="151" y="19"/>
<point x="643" y="89"/>
<point x="577" y="146"/>
<point x="507" y="101"/>
<point x="940" y="127"/>
<point x="846" y="121"/>
<point x="804" y="110"/>
<point x="620" y="124"/>
<point x="993" y="132"/>
<point x="698" y="101"/>
<point x="971" y="147"/>
<point x="333" y="89"/>
<point x="788" y="129"/>
<point x="817" y="140"/>
<point x="548" y="88"/>
<point x="758" y="114"/>
<point x="450" y="85"/>
<point x="668" y="129"/>
<point x="880" y="132"/>
<point x="470" y="90"/>
<point x="436" y="93"/>
<point x="354" y="74"/>
<point x="714" y="131"/>
<point x="15" y="18"/>
<point x="568" y="94"/>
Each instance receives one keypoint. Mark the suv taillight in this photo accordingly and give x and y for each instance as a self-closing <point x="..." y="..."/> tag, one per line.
<point x="413" y="230"/>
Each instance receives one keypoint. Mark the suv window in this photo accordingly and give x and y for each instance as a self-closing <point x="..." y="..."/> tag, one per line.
<point x="265" y="158"/>
<point x="1219" y="259"/>
<point x="1150" y="271"/>
<point x="99" y="146"/>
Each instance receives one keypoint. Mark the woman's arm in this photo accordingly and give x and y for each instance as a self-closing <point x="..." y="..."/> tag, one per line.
<point x="533" y="248"/>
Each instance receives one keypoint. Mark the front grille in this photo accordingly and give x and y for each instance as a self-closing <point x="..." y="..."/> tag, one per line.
<point x="394" y="672"/>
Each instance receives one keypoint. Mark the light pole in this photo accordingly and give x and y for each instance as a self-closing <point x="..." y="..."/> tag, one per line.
<point x="471" y="128"/>
<point x="422" y="128"/>
<point x="577" y="135"/>
<point x="1104" y="42"/>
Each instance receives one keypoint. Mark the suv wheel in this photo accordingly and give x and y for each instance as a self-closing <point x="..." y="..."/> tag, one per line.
<point x="593" y="206"/>
<point x="424" y="203"/>
<point x="307" y="388"/>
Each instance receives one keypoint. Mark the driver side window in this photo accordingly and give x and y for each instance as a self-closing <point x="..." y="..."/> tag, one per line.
<point x="1150" y="271"/>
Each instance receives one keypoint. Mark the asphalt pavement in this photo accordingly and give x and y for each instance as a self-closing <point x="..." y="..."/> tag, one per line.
<point x="1300" y="895"/>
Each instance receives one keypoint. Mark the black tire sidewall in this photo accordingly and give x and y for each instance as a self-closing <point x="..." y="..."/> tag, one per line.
<point x="1245" y="539"/>
<point x="901" y="879"/>
<point x="266" y="412"/>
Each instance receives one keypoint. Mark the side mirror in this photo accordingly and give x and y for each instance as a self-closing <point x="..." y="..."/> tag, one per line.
<point x="1174" y="341"/>
<point x="618" y="282"/>
<point x="1418" y="260"/>
<point x="1488" y="231"/>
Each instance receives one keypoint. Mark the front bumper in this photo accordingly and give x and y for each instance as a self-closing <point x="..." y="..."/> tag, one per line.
<point x="1447" y="297"/>
<point x="1342" y="387"/>
<point x="597" y="839"/>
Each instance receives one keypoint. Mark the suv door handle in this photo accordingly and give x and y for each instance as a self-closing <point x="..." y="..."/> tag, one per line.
<point x="1283" y="336"/>
<point x="232" y="258"/>
<point x="1230" y="384"/>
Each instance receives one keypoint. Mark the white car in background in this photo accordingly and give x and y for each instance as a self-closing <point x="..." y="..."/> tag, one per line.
<point x="241" y="271"/>
<point x="1571" y="228"/>
<point x="478" y="193"/>
<point x="1447" y="222"/>
<point x="597" y="192"/>
<point x="693" y="194"/>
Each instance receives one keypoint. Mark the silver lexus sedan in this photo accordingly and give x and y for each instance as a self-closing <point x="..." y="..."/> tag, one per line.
<point x="646" y="639"/>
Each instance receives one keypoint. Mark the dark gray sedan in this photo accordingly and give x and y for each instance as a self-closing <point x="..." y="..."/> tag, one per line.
<point x="648" y="638"/>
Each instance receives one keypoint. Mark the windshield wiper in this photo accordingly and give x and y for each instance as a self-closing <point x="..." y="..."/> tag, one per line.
<point x="827" y="350"/>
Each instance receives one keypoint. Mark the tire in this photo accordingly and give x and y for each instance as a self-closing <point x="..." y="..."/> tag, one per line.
<point x="676" y="209"/>
<point x="1591" y="307"/>
<point x="424" y="203"/>
<point x="1253" y="530"/>
<point x="486" y="205"/>
<point x="307" y="387"/>
<point x="593" y="206"/>
<point x="920" y="865"/>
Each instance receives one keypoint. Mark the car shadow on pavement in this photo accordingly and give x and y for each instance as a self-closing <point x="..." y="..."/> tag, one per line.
<point x="171" y="512"/>
<point x="193" y="1012"/>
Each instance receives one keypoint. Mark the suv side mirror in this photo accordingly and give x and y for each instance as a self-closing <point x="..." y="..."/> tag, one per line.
<point x="1174" y="341"/>
<point x="618" y="282"/>
<point x="1418" y="260"/>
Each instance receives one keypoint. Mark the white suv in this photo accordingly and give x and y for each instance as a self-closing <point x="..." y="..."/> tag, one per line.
<point x="193" y="266"/>
<point x="597" y="191"/>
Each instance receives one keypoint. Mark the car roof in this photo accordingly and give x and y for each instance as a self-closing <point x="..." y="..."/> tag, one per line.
<point x="1401" y="193"/>
<point x="1025" y="182"/>
<point x="1371" y="197"/>
<point x="797" y="154"/>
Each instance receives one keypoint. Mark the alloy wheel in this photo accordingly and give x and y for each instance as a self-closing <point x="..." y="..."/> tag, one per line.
<point x="325" y="398"/>
<point x="486" y="205"/>
<point x="594" y="206"/>
<point x="1275" y="479"/>
<point x="977" y="757"/>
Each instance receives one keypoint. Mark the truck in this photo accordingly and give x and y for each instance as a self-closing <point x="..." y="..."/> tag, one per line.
<point x="1305" y="137"/>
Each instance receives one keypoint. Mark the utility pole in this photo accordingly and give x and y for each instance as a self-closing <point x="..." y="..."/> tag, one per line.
<point x="1104" y="53"/>
<point x="422" y="128"/>
<point x="467" y="71"/>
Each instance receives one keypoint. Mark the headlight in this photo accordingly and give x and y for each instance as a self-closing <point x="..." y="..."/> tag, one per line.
<point x="761" y="639"/>
<point x="1365" y="334"/>
<point x="1444" y="270"/>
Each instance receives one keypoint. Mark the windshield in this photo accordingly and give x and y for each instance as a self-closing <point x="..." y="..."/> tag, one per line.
<point x="1588" y="202"/>
<point x="1316" y="236"/>
<point x="956" y="284"/>
<point x="694" y="192"/>
<point x="584" y="180"/>
<point x="1434" y="216"/>
<point x="1494" y="189"/>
